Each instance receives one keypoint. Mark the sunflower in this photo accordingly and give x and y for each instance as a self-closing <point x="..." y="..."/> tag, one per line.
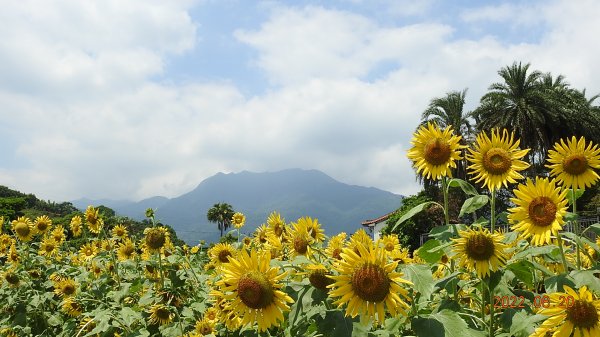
<point x="119" y="231"/>
<point x="71" y="307"/>
<point x="210" y="314"/>
<point x="367" y="283"/>
<point x="93" y="221"/>
<point x="496" y="161"/>
<point x="573" y="163"/>
<point x="42" y="224"/>
<point x="11" y="277"/>
<point x="389" y="243"/>
<point x="96" y="268"/>
<point x="275" y="246"/>
<point x="126" y="250"/>
<point x="319" y="276"/>
<point x="539" y="210"/>
<point x="13" y="255"/>
<point x="23" y="228"/>
<point x="335" y="245"/>
<point x="254" y="290"/>
<point x="299" y="240"/>
<point x="401" y="255"/>
<point x="221" y="253"/>
<point x="204" y="326"/>
<point x="359" y="238"/>
<point x="260" y="235"/>
<point x="58" y="234"/>
<point x="76" y="226"/>
<point x="48" y="247"/>
<point x="314" y="228"/>
<point x="65" y="287"/>
<point x="582" y="318"/>
<point x="156" y="238"/>
<point x="276" y="224"/>
<point x="434" y="152"/>
<point x="160" y="314"/>
<point x="480" y="251"/>
<point x="238" y="220"/>
<point x="88" y="251"/>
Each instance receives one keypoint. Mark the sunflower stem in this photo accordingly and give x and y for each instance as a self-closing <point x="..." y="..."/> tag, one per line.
<point x="482" y="302"/>
<point x="445" y="188"/>
<point x="562" y="253"/>
<point x="491" y="331"/>
<point x="576" y="228"/>
<point x="493" y="211"/>
<point x="160" y="271"/>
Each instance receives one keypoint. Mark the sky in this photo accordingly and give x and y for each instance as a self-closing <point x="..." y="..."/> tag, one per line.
<point x="132" y="99"/>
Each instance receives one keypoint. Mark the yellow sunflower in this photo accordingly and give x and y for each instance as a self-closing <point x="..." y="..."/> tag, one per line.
<point x="119" y="231"/>
<point x="88" y="251"/>
<point x="314" y="228"/>
<point x="253" y="289"/>
<point x="480" y="251"/>
<point x="573" y="163"/>
<point x="11" y="277"/>
<point x="389" y="243"/>
<point x="204" y="327"/>
<point x="299" y="240"/>
<point x="434" y="152"/>
<point x="359" y="238"/>
<point x="260" y="235"/>
<point x="58" y="234"/>
<point x="126" y="250"/>
<point x="539" y="210"/>
<point x="276" y="224"/>
<point x="48" y="247"/>
<point x="156" y="238"/>
<point x="71" y="307"/>
<point x="238" y="220"/>
<point x="76" y="226"/>
<point x="578" y="316"/>
<point x="496" y="160"/>
<point x="160" y="314"/>
<point x="93" y="220"/>
<point x="23" y="228"/>
<point x="368" y="284"/>
<point x="221" y="253"/>
<point x="42" y="224"/>
<point x="335" y="245"/>
<point x="66" y="287"/>
<point x="319" y="276"/>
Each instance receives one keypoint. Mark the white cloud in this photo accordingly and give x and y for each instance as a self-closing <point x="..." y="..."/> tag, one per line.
<point x="86" y="117"/>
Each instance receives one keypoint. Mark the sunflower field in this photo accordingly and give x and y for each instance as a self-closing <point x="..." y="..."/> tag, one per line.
<point x="290" y="279"/>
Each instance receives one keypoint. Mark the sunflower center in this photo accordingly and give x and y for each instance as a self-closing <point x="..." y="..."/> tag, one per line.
<point x="42" y="226"/>
<point x="224" y="256"/>
<point x="128" y="250"/>
<point x="163" y="314"/>
<point x="542" y="211"/>
<point x="49" y="247"/>
<point x="255" y="290"/>
<point x="371" y="283"/>
<point x="496" y="161"/>
<point x="575" y="164"/>
<point x="22" y="229"/>
<point x="337" y="254"/>
<point x="389" y="246"/>
<point x="278" y="230"/>
<point x="155" y="239"/>
<point x="12" y="278"/>
<point x="583" y="314"/>
<point x="300" y="245"/>
<point x="480" y="247"/>
<point x="437" y="152"/>
<point x="319" y="279"/>
<point x="68" y="289"/>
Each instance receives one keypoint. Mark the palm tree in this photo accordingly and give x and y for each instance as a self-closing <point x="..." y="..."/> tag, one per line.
<point x="522" y="103"/>
<point x="221" y="214"/>
<point x="449" y="111"/>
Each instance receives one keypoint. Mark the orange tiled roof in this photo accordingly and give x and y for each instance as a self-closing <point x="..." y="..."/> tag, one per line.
<point x="377" y="220"/>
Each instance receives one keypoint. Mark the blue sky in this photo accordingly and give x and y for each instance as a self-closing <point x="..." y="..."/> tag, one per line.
<point x="131" y="99"/>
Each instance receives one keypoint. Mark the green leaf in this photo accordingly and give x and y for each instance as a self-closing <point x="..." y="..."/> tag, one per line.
<point x="421" y="277"/>
<point x="578" y="193"/>
<point x="445" y="323"/>
<point x="472" y="204"/>
<point x="428" y="252"/>
<point x="464" y="186"/>
<point x="413" y="211"/>
<point x="129" y="316"/>
<point x="587" y="278"/>
<point x="445" y="233"/>
<point x="523" y="270"/>
<point x="523" y="324"/>
<point x="555" y="284"/>
<point x="449" y="282"/>
<point x="594" y="228"/>
<point x="535" y="251"/>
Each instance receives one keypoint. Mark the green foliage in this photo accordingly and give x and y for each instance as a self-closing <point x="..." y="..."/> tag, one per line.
<point x="410" y="230"/>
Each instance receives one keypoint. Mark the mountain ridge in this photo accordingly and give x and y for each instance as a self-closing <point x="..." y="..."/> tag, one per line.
<point x="292" y="192"/>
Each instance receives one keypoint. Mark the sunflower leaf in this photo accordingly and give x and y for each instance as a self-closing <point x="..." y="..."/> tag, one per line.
<point x="414" y="211"/>
<point x="472" y="204"/>
<point x="421" y="277"/>
<point x="444" y="323"/>
<point x="578" y="193"/>
<point x="464" y="186"/>
<point x="428" y="252"/>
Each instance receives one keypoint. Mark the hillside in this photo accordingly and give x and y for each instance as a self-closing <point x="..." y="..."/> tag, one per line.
<point x="294" y="193"/>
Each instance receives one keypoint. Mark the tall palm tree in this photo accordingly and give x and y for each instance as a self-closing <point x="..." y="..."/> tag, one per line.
<point x="522" y="103"/>
<point x="221" y="214"/>
<point x="449" y="111"/>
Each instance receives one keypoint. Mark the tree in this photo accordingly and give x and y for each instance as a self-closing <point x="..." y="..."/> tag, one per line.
<point x="221" y="214"/>
<point x="449" y="111"/>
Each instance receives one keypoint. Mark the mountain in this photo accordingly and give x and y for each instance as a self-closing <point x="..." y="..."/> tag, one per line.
<point x="294" y="193"/>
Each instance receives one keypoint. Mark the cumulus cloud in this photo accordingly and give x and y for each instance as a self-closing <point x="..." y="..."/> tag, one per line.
<point x="86" y="115"/>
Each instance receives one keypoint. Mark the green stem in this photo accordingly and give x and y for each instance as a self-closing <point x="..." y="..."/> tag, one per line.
<point x="491" y="331"/>
<point x="493" y="210"/>
<point x="562" y="253"/>
<point x="482" y="302"/>
<point x="160" y="271"/>
<point x="445" y="188"/>
<point x="576" y="228"/>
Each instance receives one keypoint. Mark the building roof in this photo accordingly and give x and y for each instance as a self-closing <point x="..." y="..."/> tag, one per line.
<point x="375" y="221"/>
